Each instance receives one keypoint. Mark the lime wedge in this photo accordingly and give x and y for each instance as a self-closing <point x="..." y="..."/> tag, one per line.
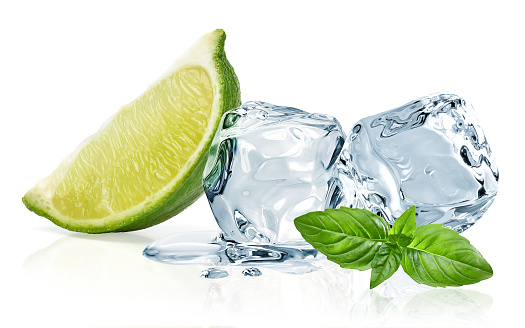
<point x="145" y="165"/>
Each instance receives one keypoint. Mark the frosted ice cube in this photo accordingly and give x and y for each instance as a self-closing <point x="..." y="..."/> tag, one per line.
<point x="431" y="153"/>
<point x="268" y="165"/>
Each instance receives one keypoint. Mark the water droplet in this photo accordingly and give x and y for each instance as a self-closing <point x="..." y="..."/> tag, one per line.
<point x="214" y="273"/>
<point x="262" y="115"/>
<point x="230" y="120"/>
<point x="251" y="272"/>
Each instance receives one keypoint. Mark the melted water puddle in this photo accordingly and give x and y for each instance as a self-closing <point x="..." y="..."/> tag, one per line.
<point x="208" y="248"/>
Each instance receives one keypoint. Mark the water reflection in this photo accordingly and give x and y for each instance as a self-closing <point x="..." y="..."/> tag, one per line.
<point x="402" y="301"/>
<point x="112" y="267"/>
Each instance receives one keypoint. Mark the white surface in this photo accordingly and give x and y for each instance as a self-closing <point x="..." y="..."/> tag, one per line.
<point x="65" y="67"/>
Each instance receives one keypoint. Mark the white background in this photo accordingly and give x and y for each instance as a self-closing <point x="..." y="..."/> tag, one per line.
<point x="65" y="67"/>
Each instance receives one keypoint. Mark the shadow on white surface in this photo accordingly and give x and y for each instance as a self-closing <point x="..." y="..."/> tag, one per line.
<point x="110" y="269"/>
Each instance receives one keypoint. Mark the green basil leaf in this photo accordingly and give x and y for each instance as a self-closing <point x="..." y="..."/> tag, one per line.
<point x="348" y="237"/>
<point x="402" y="231"/>
<point x="438" y="256"/>
<point x="385" y="263"/>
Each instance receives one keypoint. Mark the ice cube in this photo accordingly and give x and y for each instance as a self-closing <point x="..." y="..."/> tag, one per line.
<point x="431" y="153"/>
<point x="268" y="165"/>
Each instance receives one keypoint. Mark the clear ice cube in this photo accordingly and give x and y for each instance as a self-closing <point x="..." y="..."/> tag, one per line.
<point x="268" y="165"/>
<point x="431" y="153"/>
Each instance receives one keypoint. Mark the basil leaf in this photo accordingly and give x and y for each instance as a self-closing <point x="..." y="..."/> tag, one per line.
<point x="385" y="263"/>
<point x="438" y="256"/>
<point x="402" y="231"/>
<point x="349" y="237"/>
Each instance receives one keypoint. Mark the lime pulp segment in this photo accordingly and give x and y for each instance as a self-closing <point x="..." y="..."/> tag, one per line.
<point x="142" y="149"/>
